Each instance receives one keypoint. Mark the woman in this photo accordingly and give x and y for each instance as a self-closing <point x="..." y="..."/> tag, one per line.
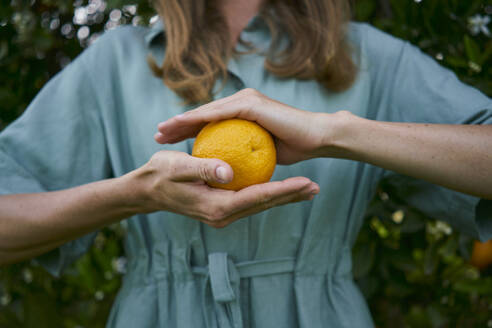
<point x="78" y="159"/>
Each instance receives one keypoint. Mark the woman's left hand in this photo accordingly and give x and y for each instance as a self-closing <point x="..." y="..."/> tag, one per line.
<point x="298" y="134"/>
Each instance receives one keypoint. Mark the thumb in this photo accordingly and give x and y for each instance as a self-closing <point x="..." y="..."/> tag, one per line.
<point x="205" y="169"/>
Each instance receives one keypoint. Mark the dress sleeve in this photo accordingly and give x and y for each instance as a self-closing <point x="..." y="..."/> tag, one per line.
<point x="410" y="86"/>
<point x="56" y="144"/>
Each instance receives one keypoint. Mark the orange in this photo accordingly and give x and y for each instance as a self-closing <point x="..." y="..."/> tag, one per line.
<point x="246" y="146"/>
<point x="481" y="254"/>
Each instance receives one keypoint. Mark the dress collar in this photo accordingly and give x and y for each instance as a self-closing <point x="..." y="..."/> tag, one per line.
<point x="155" y="31"/>
<point x="256" y="31"/>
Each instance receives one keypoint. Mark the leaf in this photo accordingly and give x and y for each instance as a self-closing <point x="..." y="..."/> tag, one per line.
<point x="363" y="259"/>
<point x="465" y="246"/>
<point x="365" y="9"/>
<point x="403" y="262"/>
<point x="40" y="311"/>
<point x="480" y="286"/>
<point x="9" y="318"/>
<point x="368" y="285"/>
<point x="437" y="319"/>
<point x="472" y="50"/>
<point x="456" y="62"/>
<point x="486" y="54"/>
<point x="417" y="317"/>
<point x="412" y="223"/>
<point x="449" y="248"/>
<point x="431" y="259"/>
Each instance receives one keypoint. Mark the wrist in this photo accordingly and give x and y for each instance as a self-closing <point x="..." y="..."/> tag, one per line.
<point x="136" y="190"/>
<point x="340" y="130"/>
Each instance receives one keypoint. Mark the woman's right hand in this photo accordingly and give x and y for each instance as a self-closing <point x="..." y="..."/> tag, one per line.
<point x="34" y="223"/>
<point x="176" y="182"/>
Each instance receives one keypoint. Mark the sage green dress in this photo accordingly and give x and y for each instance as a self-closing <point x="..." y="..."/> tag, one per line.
<point x="286" y="267"/>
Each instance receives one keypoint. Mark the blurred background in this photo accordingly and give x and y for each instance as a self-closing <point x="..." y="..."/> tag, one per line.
<point x="413" y="270"/>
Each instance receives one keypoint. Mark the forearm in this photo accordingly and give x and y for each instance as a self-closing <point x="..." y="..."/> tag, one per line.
<point x="31" y="224"/>
<point x="458" y="157"/>
<point x="9" y="256"/>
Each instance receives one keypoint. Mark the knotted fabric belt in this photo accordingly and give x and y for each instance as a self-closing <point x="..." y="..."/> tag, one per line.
<point x="223" y="278"/>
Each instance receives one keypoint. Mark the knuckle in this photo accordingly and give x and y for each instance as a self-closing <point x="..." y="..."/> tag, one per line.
<point x="260" y="202"/>
<point x="218" y="225"/>
<point x="157" y="157"/>
<point x="223" y="207"/>
<point x="173" y="167"/>
<point x="344" y="113"/>
<point x="216" y="214"/>
<point x="222" y="224"/>
<point x="259" y="101"/>
<point x="202" y="209"/>
<point x="249" y="92"/>
<point x="214" y="217"/>
<point x="171" y="163"/>
<point x="169" y="158"/>
<point x="252" y="95"/>
<point x="204" y="173"/>
<point x="265" y="199"/>
<point x="158" y="163"/>
<point x="265" y="206"/>
<point x="208" y="217"/>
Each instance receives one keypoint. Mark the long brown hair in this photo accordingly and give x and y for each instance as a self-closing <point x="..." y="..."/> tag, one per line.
<point x="198" y="44"/>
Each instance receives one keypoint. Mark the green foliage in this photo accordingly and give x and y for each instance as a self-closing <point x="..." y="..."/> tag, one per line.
<point x="412" y="269"/>
<point x="31" y="297"/>
<point x="38" y="38"/>
<point x="441" y="28"/>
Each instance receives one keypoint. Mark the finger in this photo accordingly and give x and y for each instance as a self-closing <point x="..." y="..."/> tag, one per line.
<point x="192" y="168"/>
<point x="188" y="131"/>
<point x="222" y="205"/>
<point x="286" y="199"/>
<point x="184" y="132"/>
<point x="260" y="194"/>
<point x="189" y="124"/>
<point x="215" y="103"/>
<point x="290" y="198"/>
<point x="306" y="193"/>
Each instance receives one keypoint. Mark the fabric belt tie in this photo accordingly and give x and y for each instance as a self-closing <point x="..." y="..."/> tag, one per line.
<point x="223" y="276"/>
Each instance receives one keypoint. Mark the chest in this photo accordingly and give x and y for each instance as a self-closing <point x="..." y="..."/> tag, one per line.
<point x="139" y="111"/>
<point x="342" y="183"/>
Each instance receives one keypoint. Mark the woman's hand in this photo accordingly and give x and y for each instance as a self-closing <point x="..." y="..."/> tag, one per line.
<point x="299" y="134"/>
<point x="451" y="155"/>
<point x="176" y="182"/>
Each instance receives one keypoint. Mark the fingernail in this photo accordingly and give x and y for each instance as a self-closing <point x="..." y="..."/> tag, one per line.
<point x="221" y="174"/>
<point x="158" y="135"/>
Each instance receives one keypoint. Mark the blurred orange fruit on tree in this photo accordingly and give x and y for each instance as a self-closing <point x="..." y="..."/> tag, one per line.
<point x="482" y="254"/>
